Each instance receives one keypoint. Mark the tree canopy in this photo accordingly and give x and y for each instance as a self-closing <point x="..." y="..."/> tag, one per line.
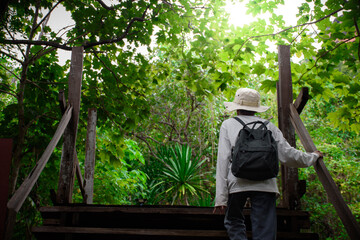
<point x="171" y="92"/>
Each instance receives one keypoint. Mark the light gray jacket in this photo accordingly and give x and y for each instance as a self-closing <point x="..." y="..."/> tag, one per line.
<point x="227" y="183"/>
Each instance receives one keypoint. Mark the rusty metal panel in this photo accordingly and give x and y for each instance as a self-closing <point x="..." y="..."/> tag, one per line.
<point x="5" y="163"/>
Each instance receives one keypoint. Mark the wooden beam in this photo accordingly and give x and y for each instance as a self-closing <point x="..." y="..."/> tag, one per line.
<point x="62" y="103"/>
<point x="334" y="195"/>
<point x="131" y="231"/>
<point x="90" y="157"/>
<point x="10" y="223"/>
<point x="289" y="176"/>
<point x="17" y="200"/>
<point x="79" y="175"/>
<point x="302" y="99"/>
<point x="23" y="191"/>
<point x="67" y="167"/>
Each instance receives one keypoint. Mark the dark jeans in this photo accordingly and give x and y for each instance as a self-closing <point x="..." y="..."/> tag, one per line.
<point x="263" y="215"/>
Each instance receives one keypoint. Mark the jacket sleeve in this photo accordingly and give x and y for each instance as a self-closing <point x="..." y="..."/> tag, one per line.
<point x="289" y="155"/>
<point x="222" y="168"/>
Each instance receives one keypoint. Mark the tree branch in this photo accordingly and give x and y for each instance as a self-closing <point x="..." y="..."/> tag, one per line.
<point x="322" y="55"/>
<point x="115" y="76"/>
<point x="299" y="34"/>
<point x="170" y="125"/>
<point x="122" y="36"/>
<point x="287" y="29"/>
<point x="45" y="51"/>
<point x="12" y="57"/>
<point x="32" y="42"/>
<point x="358" y="33"/>
<point x="36" y="85"/>
<point x="12" y="37"/>
<point x="48" y="14"/>
<point x="105" y="6"/>
<point x="33" y="28"/>
<point x="27" y="126"/>
<point x="69" y="26"/>
<point x="180" y="6"/>
<point x="12" y="73"/>
<point x="85" y="45"/>
<point x="7" y="86"/>
<point x="8" y="93"/>
<point x="193" y="107"/>
<point x="144" y="139"/>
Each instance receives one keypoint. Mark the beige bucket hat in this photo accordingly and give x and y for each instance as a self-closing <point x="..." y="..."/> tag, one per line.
<point x="246" y="99"/>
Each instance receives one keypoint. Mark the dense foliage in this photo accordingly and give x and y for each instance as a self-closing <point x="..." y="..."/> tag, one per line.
<point x="156" y="103"/>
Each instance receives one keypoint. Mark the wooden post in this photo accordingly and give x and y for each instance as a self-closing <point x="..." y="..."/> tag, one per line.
<point x="334" y="195"/>
<point x="67" y="167"/>
<point x="62" y="103"/>
<point x="302" y="99"/>
<point x="5" y="163"/>
<point x="90" y="157"/>
<point x="289" y="176"/>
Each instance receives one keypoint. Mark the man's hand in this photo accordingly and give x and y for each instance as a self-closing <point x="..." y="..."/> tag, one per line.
<point x="319" y="153"/>
<point x="221" y="209"/>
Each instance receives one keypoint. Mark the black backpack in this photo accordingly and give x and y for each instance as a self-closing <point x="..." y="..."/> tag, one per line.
<point x="254" y="155"/>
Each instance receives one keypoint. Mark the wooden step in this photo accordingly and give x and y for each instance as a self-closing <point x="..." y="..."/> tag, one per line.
<point x="54" y="232"/>
<point x="157" y="216"/>
<point x="78" y="221"/>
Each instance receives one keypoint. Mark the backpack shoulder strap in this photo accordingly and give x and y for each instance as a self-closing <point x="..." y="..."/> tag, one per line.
<point x="264" y="125"/>
<point x="239" y="120"/>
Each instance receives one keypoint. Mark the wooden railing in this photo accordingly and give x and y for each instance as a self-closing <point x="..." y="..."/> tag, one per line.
<point x="70" y="119"/>
<point x="288" y="119"/>
<point x="347" y="218"/>
<point x="17" y="200"/>
<point x="67" y="129"/>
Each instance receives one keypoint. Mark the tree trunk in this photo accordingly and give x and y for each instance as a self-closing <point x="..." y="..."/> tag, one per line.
<point x="17" y="155"/>
<point x="19" y="144"/>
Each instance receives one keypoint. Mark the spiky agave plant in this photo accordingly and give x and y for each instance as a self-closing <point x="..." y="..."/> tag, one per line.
<point x="182" y="175"/>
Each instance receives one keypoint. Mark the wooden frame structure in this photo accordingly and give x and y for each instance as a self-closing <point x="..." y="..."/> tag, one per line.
<point x="69" y="163"/>
<point x="289" y="113"/>
<point x="288" y="121"/>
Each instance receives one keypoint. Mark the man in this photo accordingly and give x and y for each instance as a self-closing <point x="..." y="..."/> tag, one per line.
<point x="231" y="192"/>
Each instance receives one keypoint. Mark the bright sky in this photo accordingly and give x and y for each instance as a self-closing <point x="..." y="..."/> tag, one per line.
<point x="60" y="18"/>
<point x="238" y="15"/>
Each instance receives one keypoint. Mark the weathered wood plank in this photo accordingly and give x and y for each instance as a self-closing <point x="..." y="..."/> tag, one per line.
<point x="62" y="103"/>
<point x="302" y="99"/>
<point x="132" y="231"/>
<point x="23" y="191"/>
<point x="289" y="176"/>
<point x="90" y="157"/>
<point x="67" y="167"/>
<point x="335" y="197"/>
<point x="161" y="232"/>
<point x="17" y="200"/>
<point x="79" y="175"/>
<point x="10" y="224"/>
<point x="150" y="209"/>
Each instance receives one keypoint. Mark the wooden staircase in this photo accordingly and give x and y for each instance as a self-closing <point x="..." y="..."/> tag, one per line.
<point x="153" y="222"/>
